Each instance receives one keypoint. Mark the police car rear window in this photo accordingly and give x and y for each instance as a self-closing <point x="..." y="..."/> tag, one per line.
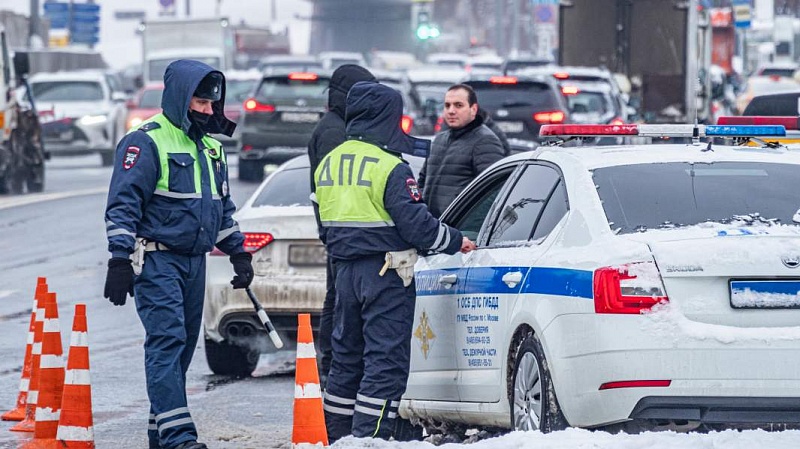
<point x="283" y="87"/>
<point x="522" y="94"/>
<point x="286" y="188"/>
<point x="637" y="198"/>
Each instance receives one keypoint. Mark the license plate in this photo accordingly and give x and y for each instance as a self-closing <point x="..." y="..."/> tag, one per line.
<point x="765" y="294"/>
<point x="510" y="127"/>
<point x="300" y="117"/>
<point x="307" y="255"/>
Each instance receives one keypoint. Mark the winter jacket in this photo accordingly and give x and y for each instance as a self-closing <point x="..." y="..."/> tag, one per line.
<point x="487" y="120"/>
<point x="329" y="132"/>
<point x="177" y="196"/>
<point x="369" y="199"/>
<point x="457" y="157"/>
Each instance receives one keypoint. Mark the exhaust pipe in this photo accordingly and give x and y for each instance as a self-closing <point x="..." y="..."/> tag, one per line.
<point x="240" y="330"/>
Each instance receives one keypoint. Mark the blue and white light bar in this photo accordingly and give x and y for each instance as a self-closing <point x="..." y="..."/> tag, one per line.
<point x="645" y="130"/>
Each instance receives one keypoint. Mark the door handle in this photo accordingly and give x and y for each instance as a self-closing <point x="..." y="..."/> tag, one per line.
<point x="512" y="279"/>
<point x="448" y="279"/>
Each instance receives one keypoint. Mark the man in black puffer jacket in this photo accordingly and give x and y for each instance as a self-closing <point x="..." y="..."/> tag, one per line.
<point x="329" y="134"/>
<point x="460" y="153"/>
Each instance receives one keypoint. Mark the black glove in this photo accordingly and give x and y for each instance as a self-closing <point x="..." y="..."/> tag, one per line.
<point x="243" y="268"/>
<point x="119" y="280"/>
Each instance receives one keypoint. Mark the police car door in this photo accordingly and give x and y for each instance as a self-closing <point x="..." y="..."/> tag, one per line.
<point x="440" y="281"/>
<point x="507" y="249"/>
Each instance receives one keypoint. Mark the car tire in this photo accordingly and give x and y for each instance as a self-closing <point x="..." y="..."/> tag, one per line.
<point x="107" y="158"/>
<point x="251" y="170"/>
<point x="405" y="430"/>
<point x="532" y="398"/>
<point x="226" y="359"/>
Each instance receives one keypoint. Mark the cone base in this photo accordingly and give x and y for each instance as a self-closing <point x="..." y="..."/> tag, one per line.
<point x="307" y="445"/>
<point x="18" y="414"/>
<point x="24" y="426"/>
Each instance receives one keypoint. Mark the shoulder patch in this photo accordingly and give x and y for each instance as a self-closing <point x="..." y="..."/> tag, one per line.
<point x="413" y="189"/>
<point x="149" y="126"/>
<point x="131" y="156"/>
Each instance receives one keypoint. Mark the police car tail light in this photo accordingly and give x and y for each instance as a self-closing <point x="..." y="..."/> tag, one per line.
<point x="253" y="241"/>
<point x="253" y="105"/>
<point x="406" y="123"/>
<point x="790" y="122"/>
<point x="503" y="79"/>
<point x="628" y="289"/>
<point x="549" y="117"/>
<point x="303" y="76"/>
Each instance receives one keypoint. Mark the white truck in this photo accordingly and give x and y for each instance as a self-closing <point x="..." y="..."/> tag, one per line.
<point x="163" y="41"/>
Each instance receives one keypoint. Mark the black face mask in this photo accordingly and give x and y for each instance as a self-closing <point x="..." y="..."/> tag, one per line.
<point x="199" y="119"/>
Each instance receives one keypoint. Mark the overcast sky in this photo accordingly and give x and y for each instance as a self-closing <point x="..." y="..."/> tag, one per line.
<point x="121" y="46"/>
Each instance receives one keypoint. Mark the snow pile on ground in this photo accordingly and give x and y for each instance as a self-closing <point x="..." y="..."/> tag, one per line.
<point x="584" y="439"/>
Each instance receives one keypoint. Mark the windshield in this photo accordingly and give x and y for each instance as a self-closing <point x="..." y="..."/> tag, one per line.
<point x="664" y="195"/>
<point x="67" y="91"/>
<point x="524" y="94"/>
<point x="588" y="107"/>
<point x="785" y="72"/>
<point x="159" y="66"/>
<point x="236" y="91"/>
<point x="432" y="91"/>
<point x="283" y="87"/>
<point x="151" y="99"/>
<point x="286" y="188"/>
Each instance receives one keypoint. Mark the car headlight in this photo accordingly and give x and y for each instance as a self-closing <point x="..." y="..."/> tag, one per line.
<point x="88" y="120"/>
<point x="134" y="122"/>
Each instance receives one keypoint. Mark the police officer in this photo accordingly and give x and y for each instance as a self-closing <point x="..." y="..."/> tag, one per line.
<point x="374" y="222"/>
<point x="168" y="205"/>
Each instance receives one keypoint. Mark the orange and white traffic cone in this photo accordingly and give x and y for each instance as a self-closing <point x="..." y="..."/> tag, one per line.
<point x="75" y="423"/>
<point x="29" y="423"/>
<point x="309" y="419"/>
<point x="51" y="380"/>
<point x="18" y="413"/>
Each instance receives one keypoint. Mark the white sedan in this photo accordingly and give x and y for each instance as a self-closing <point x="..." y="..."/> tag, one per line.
<point x="649" y="286"/>
<point x="289" y="262"/>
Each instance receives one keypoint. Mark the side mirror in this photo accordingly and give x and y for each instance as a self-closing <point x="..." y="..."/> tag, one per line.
<point x="22" y="66"/>
<point x="118" y="96"/>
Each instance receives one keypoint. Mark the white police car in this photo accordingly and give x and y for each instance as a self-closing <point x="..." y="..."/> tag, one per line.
<point x="650" y="286"/>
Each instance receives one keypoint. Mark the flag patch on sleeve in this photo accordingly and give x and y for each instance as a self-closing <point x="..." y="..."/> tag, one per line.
<point x="131" y="156"/>
<point x="413" y="189"/>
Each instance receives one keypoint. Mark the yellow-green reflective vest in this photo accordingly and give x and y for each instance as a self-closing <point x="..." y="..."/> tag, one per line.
<point x="172" y="142"/>
<point x="350" y="182"/>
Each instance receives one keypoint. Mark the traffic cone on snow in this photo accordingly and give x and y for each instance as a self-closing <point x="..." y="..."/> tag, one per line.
<point x="29" y="423"/>
<point x="51" y="380"/>
<point x="75" y="423"/>
<point x="18" y="413"/>
<point x="309" y="419"/>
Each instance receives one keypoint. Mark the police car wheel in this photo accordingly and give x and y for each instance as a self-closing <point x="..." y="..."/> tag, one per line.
<point x="225" y="359"/>
<point x="532" y="398"/>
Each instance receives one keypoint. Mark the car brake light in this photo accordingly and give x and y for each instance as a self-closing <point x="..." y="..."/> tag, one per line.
<point x="253" y="241"/>
<point x="788" y="122"/>
<point x="252" y="105"/>
<point x="775" y="78"/>
<point x="439" y="123"/>
<point x="635" y="384"/>
<point x="503" y="79"/>
<point x="303" y="76"/>
<point x="549" y="117"/>
<point x="406" y="122"/>
<point x="628" y="289"/>
<point x="570" y="90"/>
<point x="561" y="75"/>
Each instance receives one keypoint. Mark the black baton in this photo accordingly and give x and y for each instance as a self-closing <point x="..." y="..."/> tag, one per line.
<point x="262" y="315"/>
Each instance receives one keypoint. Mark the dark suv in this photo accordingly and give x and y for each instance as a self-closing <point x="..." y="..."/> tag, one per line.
<point x="520" y="105"/>
<point x="277" y="122"/>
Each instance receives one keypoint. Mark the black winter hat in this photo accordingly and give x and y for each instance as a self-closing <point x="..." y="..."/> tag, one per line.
<point x="210" y="87"/>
